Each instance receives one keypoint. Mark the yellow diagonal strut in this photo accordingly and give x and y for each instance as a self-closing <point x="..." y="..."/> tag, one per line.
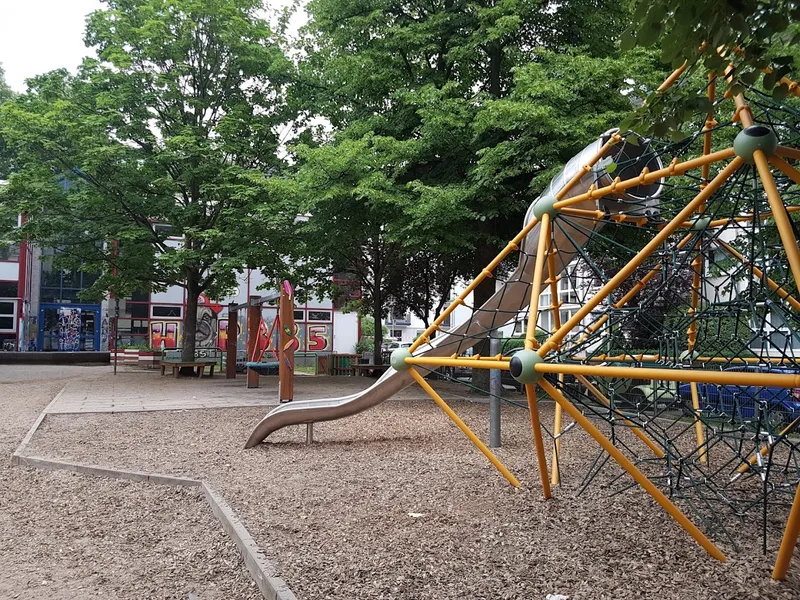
<point x="637" y="475"/>
<point x="463" y="427"/>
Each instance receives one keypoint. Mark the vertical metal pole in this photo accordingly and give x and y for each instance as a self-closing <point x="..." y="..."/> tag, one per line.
<point x="495" y="392"/>
<point x="253" y="328"/>
<point x="116" y="331"/>
<point x="233" y="343"/>
<point x="309" y="434"/>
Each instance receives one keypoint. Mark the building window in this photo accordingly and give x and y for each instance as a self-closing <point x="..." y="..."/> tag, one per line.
<point x="319" y="315"/>
<point x="546" y="321"/>
<point x="138" y="311"/>
<point x="566" y="289"/>
<point x="347" y="289"/>
<point x="9" y="252"/>
<point x="299" y="315"/>
<point x="8" y="313"/>
<point x="397" y="333"/>
<point x="62" y="286"/>
<point x="400" y="316"/>
<point x="175" y="312"/>
<point x="140" y="297"/>
<point x="9" y="289"/>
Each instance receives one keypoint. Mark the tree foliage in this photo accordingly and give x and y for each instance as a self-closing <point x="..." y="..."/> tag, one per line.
<point x="433" y="153"/>
<point x="150" y="164"/>
<point x="754" y="42"/>
<point x="6" y="156"/>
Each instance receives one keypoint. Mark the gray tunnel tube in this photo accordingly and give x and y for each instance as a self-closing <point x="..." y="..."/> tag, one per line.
<point x="513" y="296"/>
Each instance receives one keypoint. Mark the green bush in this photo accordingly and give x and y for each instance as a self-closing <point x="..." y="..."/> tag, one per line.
<point x="508" y="344"/>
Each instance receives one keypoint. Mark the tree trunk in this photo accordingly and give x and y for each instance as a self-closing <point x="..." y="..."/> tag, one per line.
<point x="483" y="256"/>
<point x="377" y="315"/>
<point x="484" y="253"/>
<point x="190" y="323"/>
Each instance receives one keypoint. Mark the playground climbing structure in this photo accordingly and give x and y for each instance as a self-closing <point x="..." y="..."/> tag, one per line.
<point x="681" y="360"/>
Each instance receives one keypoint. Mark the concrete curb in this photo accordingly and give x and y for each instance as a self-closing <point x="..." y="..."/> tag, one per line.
<point x="260" y="568"/>
<point x="36" y="424"/>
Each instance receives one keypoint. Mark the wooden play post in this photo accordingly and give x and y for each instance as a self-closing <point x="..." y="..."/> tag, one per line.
<point x="253" y="325"/>
<point x="288" y="344"/>
<point x="233" y="341"/>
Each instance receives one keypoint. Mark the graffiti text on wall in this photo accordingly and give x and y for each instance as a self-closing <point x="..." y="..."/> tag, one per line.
<point x="69" y="329"/>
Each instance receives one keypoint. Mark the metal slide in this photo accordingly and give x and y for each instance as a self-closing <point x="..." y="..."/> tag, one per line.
<point x="511" y="297"/>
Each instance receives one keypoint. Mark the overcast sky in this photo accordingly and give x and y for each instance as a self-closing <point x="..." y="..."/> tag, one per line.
<point x="37" y="36"/>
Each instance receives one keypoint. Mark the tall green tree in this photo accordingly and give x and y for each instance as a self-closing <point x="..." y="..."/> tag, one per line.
<point x="408" y="83"/>
<point x="6" y="156"/>
<point x="754" y="42"/>
<point x="150" y="164"/>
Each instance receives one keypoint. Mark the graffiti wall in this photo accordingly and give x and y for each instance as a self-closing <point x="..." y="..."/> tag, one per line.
<point x="207" y="319"/>
<point x="104" y="332"/>
<point x="69" y="329"/>
<point x="165" y="334"/>
<point x="315" y="337"/>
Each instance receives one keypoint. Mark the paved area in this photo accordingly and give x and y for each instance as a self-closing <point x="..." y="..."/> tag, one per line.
<point x="29" y="373"/>
<point x="146" y="390"/>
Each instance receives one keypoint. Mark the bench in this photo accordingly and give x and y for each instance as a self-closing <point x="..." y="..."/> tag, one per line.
<point x="203" y="357"/>
<point x="200" y="366"/>
<point x="371" y="370"/>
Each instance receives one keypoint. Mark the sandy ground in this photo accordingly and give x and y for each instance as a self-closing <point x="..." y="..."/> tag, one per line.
<point x="395" y="503"/>
<point x="66" y="536"/>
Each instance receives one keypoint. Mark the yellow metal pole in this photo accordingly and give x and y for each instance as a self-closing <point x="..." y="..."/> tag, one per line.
<point x="582" y="212"/>
<point x="787" y="170"/>
<point x="675" y="168"/>
<point x="789" y="540"/>
<point x="743" y="112"/>
<point x="745" y="218"/>
<point x="637" y="475"/>
<point x="554" y="472"/>
<point x="698" y="424"/>
<point x="536" y="286"/>
<point x="512" y="245"/>
<point x="669" y="81"/>
<point x="614" y="139"/>
<point x="607" y="403"/>
<point x="538" y="442"/>
<point x="487" y="272"/>
<point x="710" y="123"/>
<point x="641" y="256"/>
<point x="779" y="214"/>
<point x="440" y="361"/>
<point x="687" y="375"/>
<point x="760" y="274"/>
<point x="699" y="359"/>
<point x="463" y="427"/>
<point x="697" y="265"/>
<point x="786" y="152"/>
<point x="555" y="306"/>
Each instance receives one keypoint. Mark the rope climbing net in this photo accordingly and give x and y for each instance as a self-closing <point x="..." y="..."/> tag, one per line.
<point x="657" y="287"/>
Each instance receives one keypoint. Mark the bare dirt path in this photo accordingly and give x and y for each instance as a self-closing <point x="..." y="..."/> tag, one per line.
<point x="67" y="536"/>
<point x="395" y="503"/>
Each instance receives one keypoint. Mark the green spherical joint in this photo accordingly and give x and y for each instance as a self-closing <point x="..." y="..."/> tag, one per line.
<point x="755" y="138"/>
<point x="700" y="223"/>
<point x="523" y="366"/>
<point x="398" y="359"/>
<point x="545" y="206"/>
